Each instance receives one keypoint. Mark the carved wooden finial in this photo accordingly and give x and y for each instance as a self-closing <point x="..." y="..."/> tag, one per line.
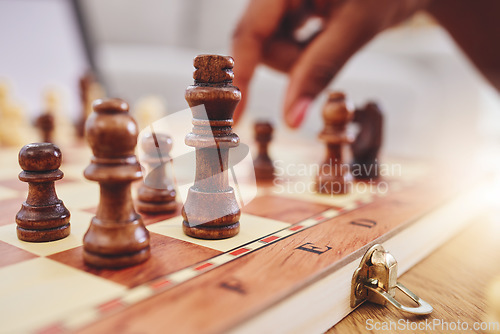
<point x="115" y="134"/>
<point x="213" y="69"/>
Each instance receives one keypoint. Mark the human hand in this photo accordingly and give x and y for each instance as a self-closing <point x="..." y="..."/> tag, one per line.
<point x="265" y="34"/>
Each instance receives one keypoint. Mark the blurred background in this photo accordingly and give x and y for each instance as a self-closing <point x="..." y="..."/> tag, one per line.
<point x="434" y="101"/>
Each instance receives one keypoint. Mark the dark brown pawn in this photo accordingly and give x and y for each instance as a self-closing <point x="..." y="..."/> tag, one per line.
<point x="264" y="169"/>
<point x="334" y="176"/>
<point x="156" y="194"/>
<point x="85" y="82"/>
<point x="117" y="236"/>
<point x="366" y="146"/>
<point x="211" y="210"/>
<point x="46" y="124"/>
<point x="43" y="217"/>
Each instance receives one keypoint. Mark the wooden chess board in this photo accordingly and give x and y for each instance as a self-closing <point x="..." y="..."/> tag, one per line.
<point x="288" y="270"/>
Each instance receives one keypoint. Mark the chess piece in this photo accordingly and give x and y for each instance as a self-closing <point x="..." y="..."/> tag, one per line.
<point x="334" y="176"/>
<point x="156" y="194"/>
<point x="90" y="90"/>
<point x="4" y="95"/>
<point x="149" y="109"/>
<point x="211" y="210"/>
<point x="14" y="127"/>
<point x="366" y="146"/>
<point x="84" y="84"/>
<point x="43" y="217"/>
<point x="117" y="236"/>
<point x="55" y="117"/>
<point x="264" y="169"/>
<point x="45" y="123"/>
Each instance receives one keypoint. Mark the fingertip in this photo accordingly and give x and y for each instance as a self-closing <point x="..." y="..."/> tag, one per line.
<point x="295" y="115"/>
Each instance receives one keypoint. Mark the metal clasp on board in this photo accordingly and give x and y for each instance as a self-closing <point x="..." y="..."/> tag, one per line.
<point x="375" y="280"/>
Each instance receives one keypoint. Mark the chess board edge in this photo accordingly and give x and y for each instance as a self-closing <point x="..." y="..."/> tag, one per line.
<point x="330" y="294"/>
<point x="291" y="311"/>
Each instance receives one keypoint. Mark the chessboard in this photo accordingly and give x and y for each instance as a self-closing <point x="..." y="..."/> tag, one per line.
<point x="288" y="270"/>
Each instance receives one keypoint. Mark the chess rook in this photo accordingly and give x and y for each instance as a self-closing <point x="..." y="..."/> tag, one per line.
<point x="211" y="210"/>
<point x="117" y="236"/>
<point x="156" y="194"/>
<point x="43" y="216"/>
<point x="366" y="146"/>
<point x="334" y="176"/>
<point x="264" y="169"/>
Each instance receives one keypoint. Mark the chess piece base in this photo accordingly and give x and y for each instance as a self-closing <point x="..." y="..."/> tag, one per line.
<point x="116" y="245"/>
<point x="156" y="207"/>
<point x="51" y="234"/>
<point x="114" y="261"/>
<point x="156" y="200"/>
<point x="219" y="232"/>
<point x="43" y="223"/>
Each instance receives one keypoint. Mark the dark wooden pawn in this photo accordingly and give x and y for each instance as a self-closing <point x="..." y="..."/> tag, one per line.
<point x="334" y="176"/>
<point x="157" y="193"/>
<point x="46" y="124"/>
<point x="117" y="236"/>
<point x="365" y="148"/>
<point x="263" y="165"/>
<point x="85" y="83"/>
<point x="211" y="210"/>
<point x="43" y="217"/>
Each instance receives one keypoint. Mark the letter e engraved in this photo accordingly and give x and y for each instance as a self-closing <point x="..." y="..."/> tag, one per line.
<point x="233" y="285"/>
<point x="364" y="222"/>
<point x="310" y="247"/>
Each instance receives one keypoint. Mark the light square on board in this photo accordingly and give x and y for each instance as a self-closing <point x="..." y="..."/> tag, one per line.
<point x="167" y="255"/>
<point x="284" y="209"/>
<point x="346" y="201"/>
<point x="79" y="224"/>
<point x="251" y="228"/>
<point x="149" y="219"/>
<point x="33" y="293"/>
<point x="79" y="195"/>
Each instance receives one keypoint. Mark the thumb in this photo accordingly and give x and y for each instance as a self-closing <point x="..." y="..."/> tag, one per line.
<point x="346" y="33"/>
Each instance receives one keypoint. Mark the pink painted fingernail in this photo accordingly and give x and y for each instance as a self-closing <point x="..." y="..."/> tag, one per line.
<point x="298" y="111"/>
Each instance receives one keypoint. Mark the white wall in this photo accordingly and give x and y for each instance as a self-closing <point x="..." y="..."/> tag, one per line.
<point x="433" y="99"/>
<point x="40" y="47"/>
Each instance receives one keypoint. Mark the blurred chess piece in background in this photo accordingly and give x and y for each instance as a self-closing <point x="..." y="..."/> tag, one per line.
<point x="15" y="130"/>
<point x="90" y="90"/>
<point x="149" y="109"/>
<point x="54" y="101"/>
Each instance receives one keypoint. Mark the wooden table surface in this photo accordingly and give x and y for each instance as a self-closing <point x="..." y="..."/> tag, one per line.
<point x="454" y="280"/>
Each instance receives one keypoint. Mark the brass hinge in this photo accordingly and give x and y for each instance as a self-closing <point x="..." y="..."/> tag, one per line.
<point x="375" y="280"/>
